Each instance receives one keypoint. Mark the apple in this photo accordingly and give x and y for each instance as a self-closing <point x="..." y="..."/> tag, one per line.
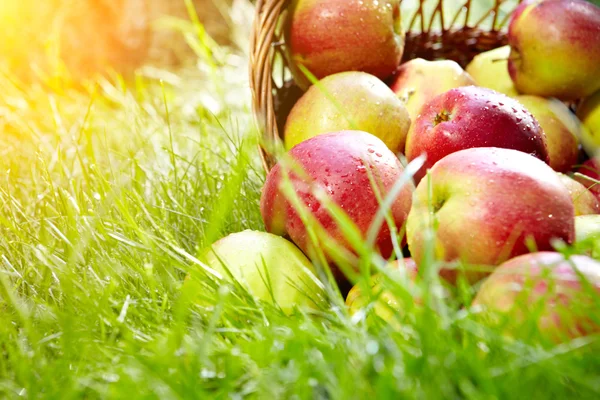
<point x="589" y="113"/>
<point x="584" y="201"/>
<point x="472" y="116"/>
<point x="588" y="174"/>
<point x="386" y="303"/>
<point x="559" y="295"/>
<point x="488" y="205"/>
<point x="555" y="48"/>
<point x="586" y="227"/>
<point x="331" y="36"/>
<point x="345" y="166"/>
<point x="561" y="127"/>
<point x="349" y="101"/>
<point x="418" y="81"/>
<point x="490" y="69"/>
<point x="253" y="258"/>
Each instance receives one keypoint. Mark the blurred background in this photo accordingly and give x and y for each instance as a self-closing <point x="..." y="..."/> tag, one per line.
<point x="84" y="37"/>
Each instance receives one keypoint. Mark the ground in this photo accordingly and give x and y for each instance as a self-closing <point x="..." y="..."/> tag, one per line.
<point x="109" y="192"/>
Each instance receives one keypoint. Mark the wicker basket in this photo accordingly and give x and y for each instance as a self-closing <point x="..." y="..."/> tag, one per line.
<point x="435" y="29"/>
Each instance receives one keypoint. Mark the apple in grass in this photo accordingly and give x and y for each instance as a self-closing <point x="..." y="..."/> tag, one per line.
<point x="555" y="48"/>
<point x="349" y="101"/>
<point x="472" y="116"/>
<point x="489" y="205"/>
<point x="544" y="293"/>
<point x="587" y="227"/>
<point x="353" y="170"/>
<point x="584" y="201"/>
<point x="490" y="69"/>
<point x="589" y="113"/>
<point x="331" y="36"/>
<point x="561" y="128"/>
<point x="387" y="304"/>
<point x="269" y="267"/>
<point x="418" y="81"/>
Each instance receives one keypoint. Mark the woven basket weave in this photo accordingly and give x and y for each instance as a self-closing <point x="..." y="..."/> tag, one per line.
<point x="435" y="29"/>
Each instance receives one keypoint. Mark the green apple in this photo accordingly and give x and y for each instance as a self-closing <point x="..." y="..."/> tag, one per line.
<point x="417" y="81"/>
<point x="268" y="266"/>
<point x="584" y="201"/>
<point x="587" y="227"/>
<point x="555" y="48"/>
<point x="544" y="292"/>
<point x="386" y="304"/>
<point x="349" y="101"/>
<point x="490" y="70"/>
<point x="561" y="127"/>
<point x="331" y="36"/>
<point x="589" y="114"/>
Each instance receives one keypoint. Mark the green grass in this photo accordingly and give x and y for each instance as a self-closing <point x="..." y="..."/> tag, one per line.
<point x="108" y="195"/>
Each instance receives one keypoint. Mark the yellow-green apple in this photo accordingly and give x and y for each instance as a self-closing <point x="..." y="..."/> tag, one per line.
<point x="555" y="48"/>
<point x="583" y="200"/>
<point x="331" y="36"/>
<point x="269" y="267"/>
<point x="472" y="116"/>
<point x="353" y="170"/>
<point x="489" y="205"/>
<point x="490" y="70"/>
<point x="349" y="100"/>
<point x="386" y="303"/>
<point x="561" y="127"/>
<point x="588" y="174"/>
<point x="589" y="113"/>
<point x="417" y="81"/>
<point x="544" y="292"/>
<point x="587" y="227"/>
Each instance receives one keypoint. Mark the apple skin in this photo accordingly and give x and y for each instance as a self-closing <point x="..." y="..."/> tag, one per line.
<point x="387" y="302"/>
<point x="490" y="69"/>
<point x="561" y="128"/>
<point x="417" y="81"/>
<point x="472" y="116"/>
<point x="584" y="201"/>
<point x="590" y="169"/>
<point x="349" y="101"/>
<point x="339" y="163"/>
<point x="486" y="203"/>
<point x="331" y="36"/>
<point x="247" y="253"/>
<point x="555" y="48"/>
<point x="517" y="287"/>
<point x="589" y="114"/>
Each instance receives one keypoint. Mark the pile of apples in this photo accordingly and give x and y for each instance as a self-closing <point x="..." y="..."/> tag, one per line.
<point x="475" y="166"/>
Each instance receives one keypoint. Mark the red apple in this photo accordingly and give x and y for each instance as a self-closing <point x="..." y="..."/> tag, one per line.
<point x="555" y="48"/>
<point x="590" y="170"/>
<point x="417" y="81"/>
<point x="342" y="165"/>
<point x="584" y="201"/>
<point x="488" y="204"/>
<point x="349" y="101"/>
<point x="472" y="116"/>
<point x="331" y="36"/>
<point x="560" y="294"/>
